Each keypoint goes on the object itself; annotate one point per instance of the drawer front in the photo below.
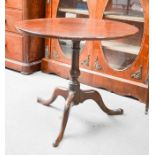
(11, 17)
(13, 46)
(17, 4)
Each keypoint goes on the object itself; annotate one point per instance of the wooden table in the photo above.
(76, 29)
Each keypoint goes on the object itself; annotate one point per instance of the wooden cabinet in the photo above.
(120, 66)
(23, 54)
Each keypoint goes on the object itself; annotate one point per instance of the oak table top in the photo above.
(76, 28)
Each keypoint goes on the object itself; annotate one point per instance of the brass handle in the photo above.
(86, 61)
(97, 64)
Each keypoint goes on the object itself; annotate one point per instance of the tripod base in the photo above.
(74, 98)
(74, 95)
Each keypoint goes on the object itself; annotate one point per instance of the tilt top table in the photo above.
(76, 29)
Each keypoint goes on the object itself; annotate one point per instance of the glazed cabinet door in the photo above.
(121, 54)
(61, 49)
(112, 64)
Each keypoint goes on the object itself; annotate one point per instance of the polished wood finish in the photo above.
(17, 4)
(108, 78)
(82, 29)
(13, 46)
(20, 53)
(12, 16)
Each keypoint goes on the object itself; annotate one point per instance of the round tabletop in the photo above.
(76, 28)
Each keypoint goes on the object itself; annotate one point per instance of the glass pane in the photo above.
(71, 9)
(121, 53)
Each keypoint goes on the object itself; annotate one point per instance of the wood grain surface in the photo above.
(76, 28)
